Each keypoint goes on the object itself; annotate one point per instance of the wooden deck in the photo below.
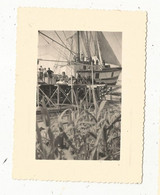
(60, 97)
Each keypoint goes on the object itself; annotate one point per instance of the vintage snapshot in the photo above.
(78, 111)
(79, 97)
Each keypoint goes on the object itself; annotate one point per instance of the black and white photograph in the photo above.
(78, 99)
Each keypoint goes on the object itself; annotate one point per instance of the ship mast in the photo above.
(79, 57)
(78, 44)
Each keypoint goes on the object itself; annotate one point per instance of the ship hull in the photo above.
(108, 76)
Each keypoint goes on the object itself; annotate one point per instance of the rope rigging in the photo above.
(56, 42)
(57, 49)
(61, 39)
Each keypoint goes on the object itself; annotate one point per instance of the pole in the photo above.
(71, 87)
(38, 94)
(58, 95)
(52, 60)
(92, 73)
(78, 43)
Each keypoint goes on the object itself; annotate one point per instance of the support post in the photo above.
(78, 44)
(71, 87)
(58, 95)
(38, 95)
(92, 74)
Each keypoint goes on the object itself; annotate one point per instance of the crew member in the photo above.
(64, 77)
(50, 75)
(44, 74)
(41, 73)
(95, 60)
(79, 79)
(82, 57)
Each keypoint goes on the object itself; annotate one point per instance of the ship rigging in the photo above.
(91, 65)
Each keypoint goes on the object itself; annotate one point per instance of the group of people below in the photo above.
(88, 60)
(47, 76)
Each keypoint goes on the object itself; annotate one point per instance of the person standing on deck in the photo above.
(41, 73)
(64, 77)
(79, 79)
(38, 75)
(95, 62)
(82, 57)
(44, 74)
(50, 74)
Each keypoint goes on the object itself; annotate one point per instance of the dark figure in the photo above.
(50, 74)
(45, 74)
(89, 80)
(41, 73)
(79, 79)
(64, 77)
(97, 62)
(82, 57)
(90, 60)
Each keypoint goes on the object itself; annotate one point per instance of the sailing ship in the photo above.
(94, 57)
(91, 57)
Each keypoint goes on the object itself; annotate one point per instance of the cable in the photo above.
(55, 41)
